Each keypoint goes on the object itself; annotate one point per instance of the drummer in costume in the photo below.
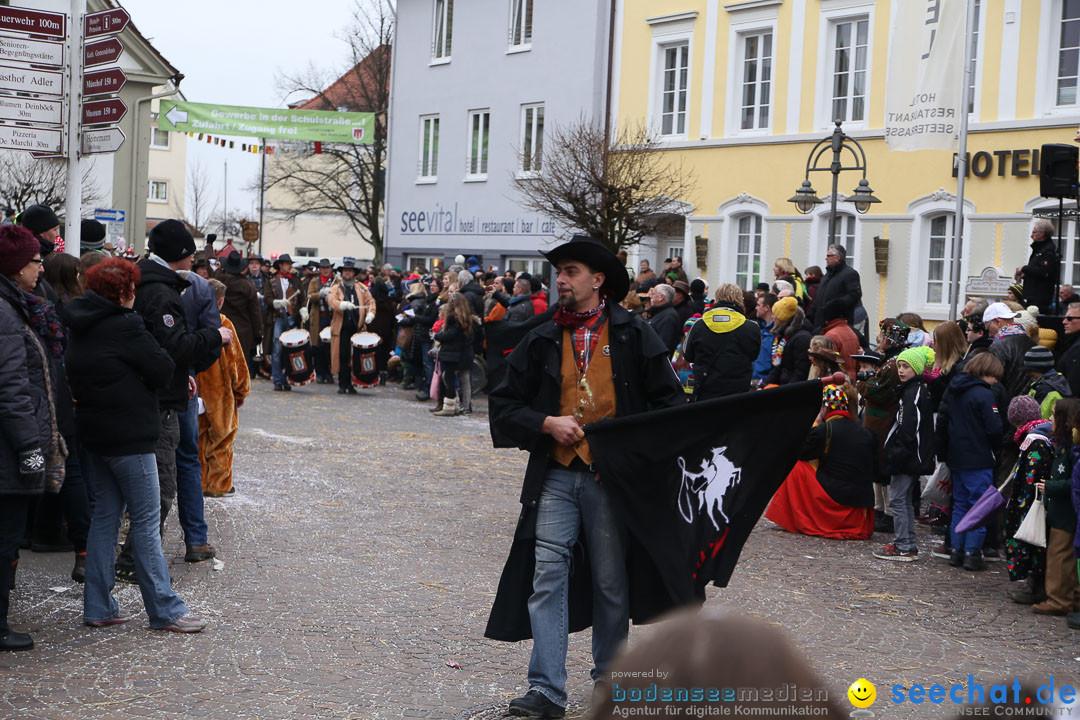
(319, 314)
(353, 308)
(285, 302)
(260, 278)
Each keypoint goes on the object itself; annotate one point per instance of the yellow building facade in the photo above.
(741, 91)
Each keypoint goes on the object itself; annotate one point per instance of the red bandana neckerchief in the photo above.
(584, 330)
(1025, 428)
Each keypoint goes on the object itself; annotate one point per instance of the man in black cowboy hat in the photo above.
(560, 377)
(285, 299)
(257, 273)
(353, 308)
(318, 314)
(241, 303)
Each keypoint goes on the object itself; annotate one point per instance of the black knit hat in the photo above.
(38, 218)
(92, 235)
(1039, 359)
(171, 241)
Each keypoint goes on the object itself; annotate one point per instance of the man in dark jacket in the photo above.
(840, 283)
(520, 307)
(473, 291)
(1043, 270)
(1010, 344)
(722, 347)
(664, 318)
(158, 301)
(682, 300)
(561, 377)
(241, 303)
(1068, 363)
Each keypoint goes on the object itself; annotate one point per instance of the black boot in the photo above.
(974, 561)
(535, 704)
(78, 573)
(956, 558)
(12, 641)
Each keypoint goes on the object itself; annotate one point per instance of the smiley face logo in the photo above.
(862, 693)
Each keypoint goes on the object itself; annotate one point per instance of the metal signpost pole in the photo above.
(262, 189)
(73, 212)
(961, 170)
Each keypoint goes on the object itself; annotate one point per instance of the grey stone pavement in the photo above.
(360, 558)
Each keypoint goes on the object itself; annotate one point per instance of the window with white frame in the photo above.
(159, 139)
(849, 49)
(479, 124)
(429, 147)
(1068, 53)
(537, 267)
(305, 252)
(845, 236)
(521, 15)
(748, 252)
(532, 138)
(939, 258)
(442, 30)
(159, 191)
(674, 85)
(973, 58)
(756, 81)
(425, 262)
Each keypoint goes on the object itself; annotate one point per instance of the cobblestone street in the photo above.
(360, 558)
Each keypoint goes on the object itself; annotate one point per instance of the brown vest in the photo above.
(587, 398)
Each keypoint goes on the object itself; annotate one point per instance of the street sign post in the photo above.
(35, 22)
(31, 110)
(106, 22)
(103, 52)
(113, 220)
(103, 112)
(38, 52)
(106, 140)
(39, 82)
(277, 123)
(102, 82)
(26, 137)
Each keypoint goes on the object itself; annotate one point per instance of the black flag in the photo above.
(693, 481)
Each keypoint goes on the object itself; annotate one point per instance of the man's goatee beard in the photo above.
(568, 302)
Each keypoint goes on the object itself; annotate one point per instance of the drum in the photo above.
(296, 350)
(324, 335)
(364, 372)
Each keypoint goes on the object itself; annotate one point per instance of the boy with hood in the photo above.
(909, 451)
(1047, 384)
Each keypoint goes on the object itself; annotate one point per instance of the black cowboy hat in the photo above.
(348, 264)
(592, 252)
(325, 263)
(283, 258)
(233, 263)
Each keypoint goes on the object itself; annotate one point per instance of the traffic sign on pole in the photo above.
(106, 22)
(101, 82)
(106, 140)
(32, 110)
(103, 52)
(39, 52)
(39, 82)
(103, 112)
(35, 22)
(26, 137)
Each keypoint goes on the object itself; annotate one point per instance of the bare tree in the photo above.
(202, 204)
(345, 179)
(621, 190)
(26, 180)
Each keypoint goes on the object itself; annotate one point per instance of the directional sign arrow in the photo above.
(33, 110)
(20, 137)
(106, 140)
(106, 22)
(38, 82)
(176, 115)
(39, 52)
(103, 52)
(103, 112)
(35, 22)
(100, 82)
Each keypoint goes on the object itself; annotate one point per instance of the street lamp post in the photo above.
(863, 197)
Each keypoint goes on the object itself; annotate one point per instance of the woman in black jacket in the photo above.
(791, 341)
(455, 350)
(115, 367)
(29, 445)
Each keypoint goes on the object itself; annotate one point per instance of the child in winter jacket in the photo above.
(1047, 384)
(909, 451)
(1026, 563)
(1062, 591)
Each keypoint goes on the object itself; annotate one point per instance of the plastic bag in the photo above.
(939, 487)
(1033, 529)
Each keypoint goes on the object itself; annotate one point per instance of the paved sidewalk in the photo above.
(361, 555)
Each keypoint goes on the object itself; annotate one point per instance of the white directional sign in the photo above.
(176, 115)
(113, 220)
(31, 110)
(40, 82)
(101, 141)
(39, 52)
(14, 137)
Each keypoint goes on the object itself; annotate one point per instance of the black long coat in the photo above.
(530, 392)
(841, 282)
(242, 308)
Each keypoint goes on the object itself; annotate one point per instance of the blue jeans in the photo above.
(281, 324)
(572, 501)
(189, 497)
(130, 480)
(967, 487)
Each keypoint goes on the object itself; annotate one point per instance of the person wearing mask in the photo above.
(722, 347)
(318, 315)
(841, 283)
(285, 300)
(31, 451)
(116, 368)
(1043, 269)
(353, 308)
(663, 318)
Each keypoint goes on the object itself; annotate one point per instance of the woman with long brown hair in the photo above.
(455, 351)
(950, 347)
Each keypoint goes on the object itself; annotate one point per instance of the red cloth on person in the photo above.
(802, 506)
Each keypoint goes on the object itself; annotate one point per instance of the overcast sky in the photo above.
(231, 52)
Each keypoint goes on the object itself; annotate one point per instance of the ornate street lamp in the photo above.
(805, 198)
